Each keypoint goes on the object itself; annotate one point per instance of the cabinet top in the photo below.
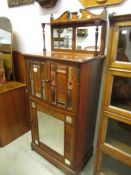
(11, 85)
(65, 56)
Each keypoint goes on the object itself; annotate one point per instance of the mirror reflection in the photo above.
(124, 45)
(85, 38)
(47, 124)
(6, 45)
(62, 38)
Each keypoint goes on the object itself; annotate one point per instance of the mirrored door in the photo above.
(51, 131)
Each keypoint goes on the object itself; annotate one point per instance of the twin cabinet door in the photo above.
(55, 83)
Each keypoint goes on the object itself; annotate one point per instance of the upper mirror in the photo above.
(124, 44)
(85, 38)
(62, 38)
(79, 32)
(6, 46)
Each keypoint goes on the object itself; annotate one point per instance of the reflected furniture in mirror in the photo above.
(63, 87)
(114, 139)
(13, 97)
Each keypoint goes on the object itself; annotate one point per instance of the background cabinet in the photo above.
(63, 105)
(114, 141)
(13, 111)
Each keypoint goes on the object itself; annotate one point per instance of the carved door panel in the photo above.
(64, 86)
(38, 81)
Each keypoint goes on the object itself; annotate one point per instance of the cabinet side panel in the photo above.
(90, 78)
(19, 67)
(13, 115)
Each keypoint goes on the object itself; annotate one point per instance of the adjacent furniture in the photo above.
(13, 96)
(63, 87)
(114, 139)
(13, 111)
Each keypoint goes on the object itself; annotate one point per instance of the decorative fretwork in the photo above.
(75, 17)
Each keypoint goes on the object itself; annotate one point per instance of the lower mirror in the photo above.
(51, 132)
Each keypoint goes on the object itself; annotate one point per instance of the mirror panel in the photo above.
(86, 36)
(124, 44)
(47, 124)
(118, 135)
(62, 38)
(121, 93)
(6, 46)
(111, 166)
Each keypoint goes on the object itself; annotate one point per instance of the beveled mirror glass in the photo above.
(62, 38)
(124, 44)
(6, 45)
(47, 124)
(85, 38)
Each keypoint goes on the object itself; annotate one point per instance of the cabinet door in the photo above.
(38, 75)
(64, 86)
(53, 131)
(55, 83)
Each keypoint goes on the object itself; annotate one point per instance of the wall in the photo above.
(26, 21)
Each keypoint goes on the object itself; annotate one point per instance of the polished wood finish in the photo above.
(119, 112)
(19, 67)
(79, 120)
(99, 3)
(13, 112)
(73, 17)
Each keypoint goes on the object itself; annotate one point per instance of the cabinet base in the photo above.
(66, 169)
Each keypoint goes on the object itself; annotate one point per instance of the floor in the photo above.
(17, 158)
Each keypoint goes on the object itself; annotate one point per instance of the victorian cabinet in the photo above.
(114, 141)
(63, 88)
